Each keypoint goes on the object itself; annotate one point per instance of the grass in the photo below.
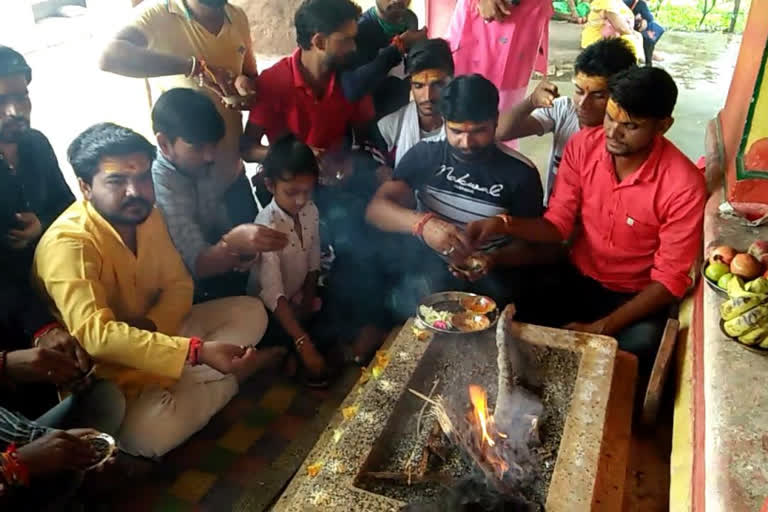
(685, 15)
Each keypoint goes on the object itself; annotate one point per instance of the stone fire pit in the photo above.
(375, 430)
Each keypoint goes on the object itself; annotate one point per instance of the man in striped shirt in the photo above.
(440, 187)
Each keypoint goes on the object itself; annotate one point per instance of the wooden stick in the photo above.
(424, 407)
(425, 398)
(440, 478)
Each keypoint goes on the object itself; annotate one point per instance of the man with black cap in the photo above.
(33, 189)
(32, 194)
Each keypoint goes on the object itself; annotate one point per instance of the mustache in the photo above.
(136, 201)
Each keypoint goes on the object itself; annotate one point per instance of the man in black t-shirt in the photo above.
(439, 187)
(32, 194)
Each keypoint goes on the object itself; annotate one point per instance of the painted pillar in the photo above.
(743, 136)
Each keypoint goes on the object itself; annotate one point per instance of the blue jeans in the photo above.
(100, 407)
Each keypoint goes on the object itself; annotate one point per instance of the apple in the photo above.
(759, 250)
(722, 254)
(723, 281)
(746, 266)
(716, 270)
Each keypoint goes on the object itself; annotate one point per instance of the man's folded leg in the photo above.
(158, 420)
(238, 320)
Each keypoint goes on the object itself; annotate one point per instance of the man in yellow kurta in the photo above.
(120, 287)
(169, 39)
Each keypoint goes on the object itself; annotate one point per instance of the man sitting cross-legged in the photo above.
(430, 66)
(217, 253)
(544, 112)
(439, 187)
(633, 205)
(118, 284)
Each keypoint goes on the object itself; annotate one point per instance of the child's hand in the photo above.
(252, 239)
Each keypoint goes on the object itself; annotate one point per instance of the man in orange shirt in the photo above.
(632, 206)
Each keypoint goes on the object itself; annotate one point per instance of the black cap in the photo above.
(13, 63)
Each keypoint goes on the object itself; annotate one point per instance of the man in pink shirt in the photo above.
(502, 40)
(631, 204)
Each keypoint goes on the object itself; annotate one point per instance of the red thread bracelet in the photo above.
(195, 344)
(398, 43)
(418, 228)
(16, 473)
(43, 331)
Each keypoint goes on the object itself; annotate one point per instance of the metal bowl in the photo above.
(752, 348)
(710, 283)
(106, 442)
(452, 302)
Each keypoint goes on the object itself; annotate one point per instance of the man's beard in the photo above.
(335, 62)
(12, 129)
(214, 4)
(395, 12)
(474, 155)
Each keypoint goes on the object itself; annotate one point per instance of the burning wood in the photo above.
(500, 444)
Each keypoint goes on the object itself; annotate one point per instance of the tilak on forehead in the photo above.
(617, 112)
(133, 165)
(429, 76)
(589, 84)
(461, 127)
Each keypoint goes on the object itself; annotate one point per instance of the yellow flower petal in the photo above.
(314, 469)
(349, 412)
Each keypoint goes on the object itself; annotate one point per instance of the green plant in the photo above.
(690, 18)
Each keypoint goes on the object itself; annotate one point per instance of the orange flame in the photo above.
(479, 401)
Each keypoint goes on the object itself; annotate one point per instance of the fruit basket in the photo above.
(743, 279)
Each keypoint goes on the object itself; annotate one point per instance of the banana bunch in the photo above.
(745, 313)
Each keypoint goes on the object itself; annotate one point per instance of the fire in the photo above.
(484, 425)
(479, 401)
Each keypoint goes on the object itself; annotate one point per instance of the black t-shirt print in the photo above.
(461, 192)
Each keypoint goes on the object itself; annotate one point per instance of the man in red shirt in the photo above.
(302, 94)
(632, 206)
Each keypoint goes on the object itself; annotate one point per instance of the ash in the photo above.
(458, 361)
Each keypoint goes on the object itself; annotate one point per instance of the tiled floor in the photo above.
(247, 453)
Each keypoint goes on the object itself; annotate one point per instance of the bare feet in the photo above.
(255, 360)
(367, 341)
(657, 58)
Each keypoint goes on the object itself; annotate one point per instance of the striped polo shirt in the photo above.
(463, 191)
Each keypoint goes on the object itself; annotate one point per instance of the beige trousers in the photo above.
(158, 420)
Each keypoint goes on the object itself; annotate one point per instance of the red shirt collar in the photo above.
(645, 173)
(298, 76)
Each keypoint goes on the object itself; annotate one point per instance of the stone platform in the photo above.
(327, 479)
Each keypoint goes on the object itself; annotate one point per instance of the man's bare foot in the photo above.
(368, 340)
(255, 360)
(657, 58)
